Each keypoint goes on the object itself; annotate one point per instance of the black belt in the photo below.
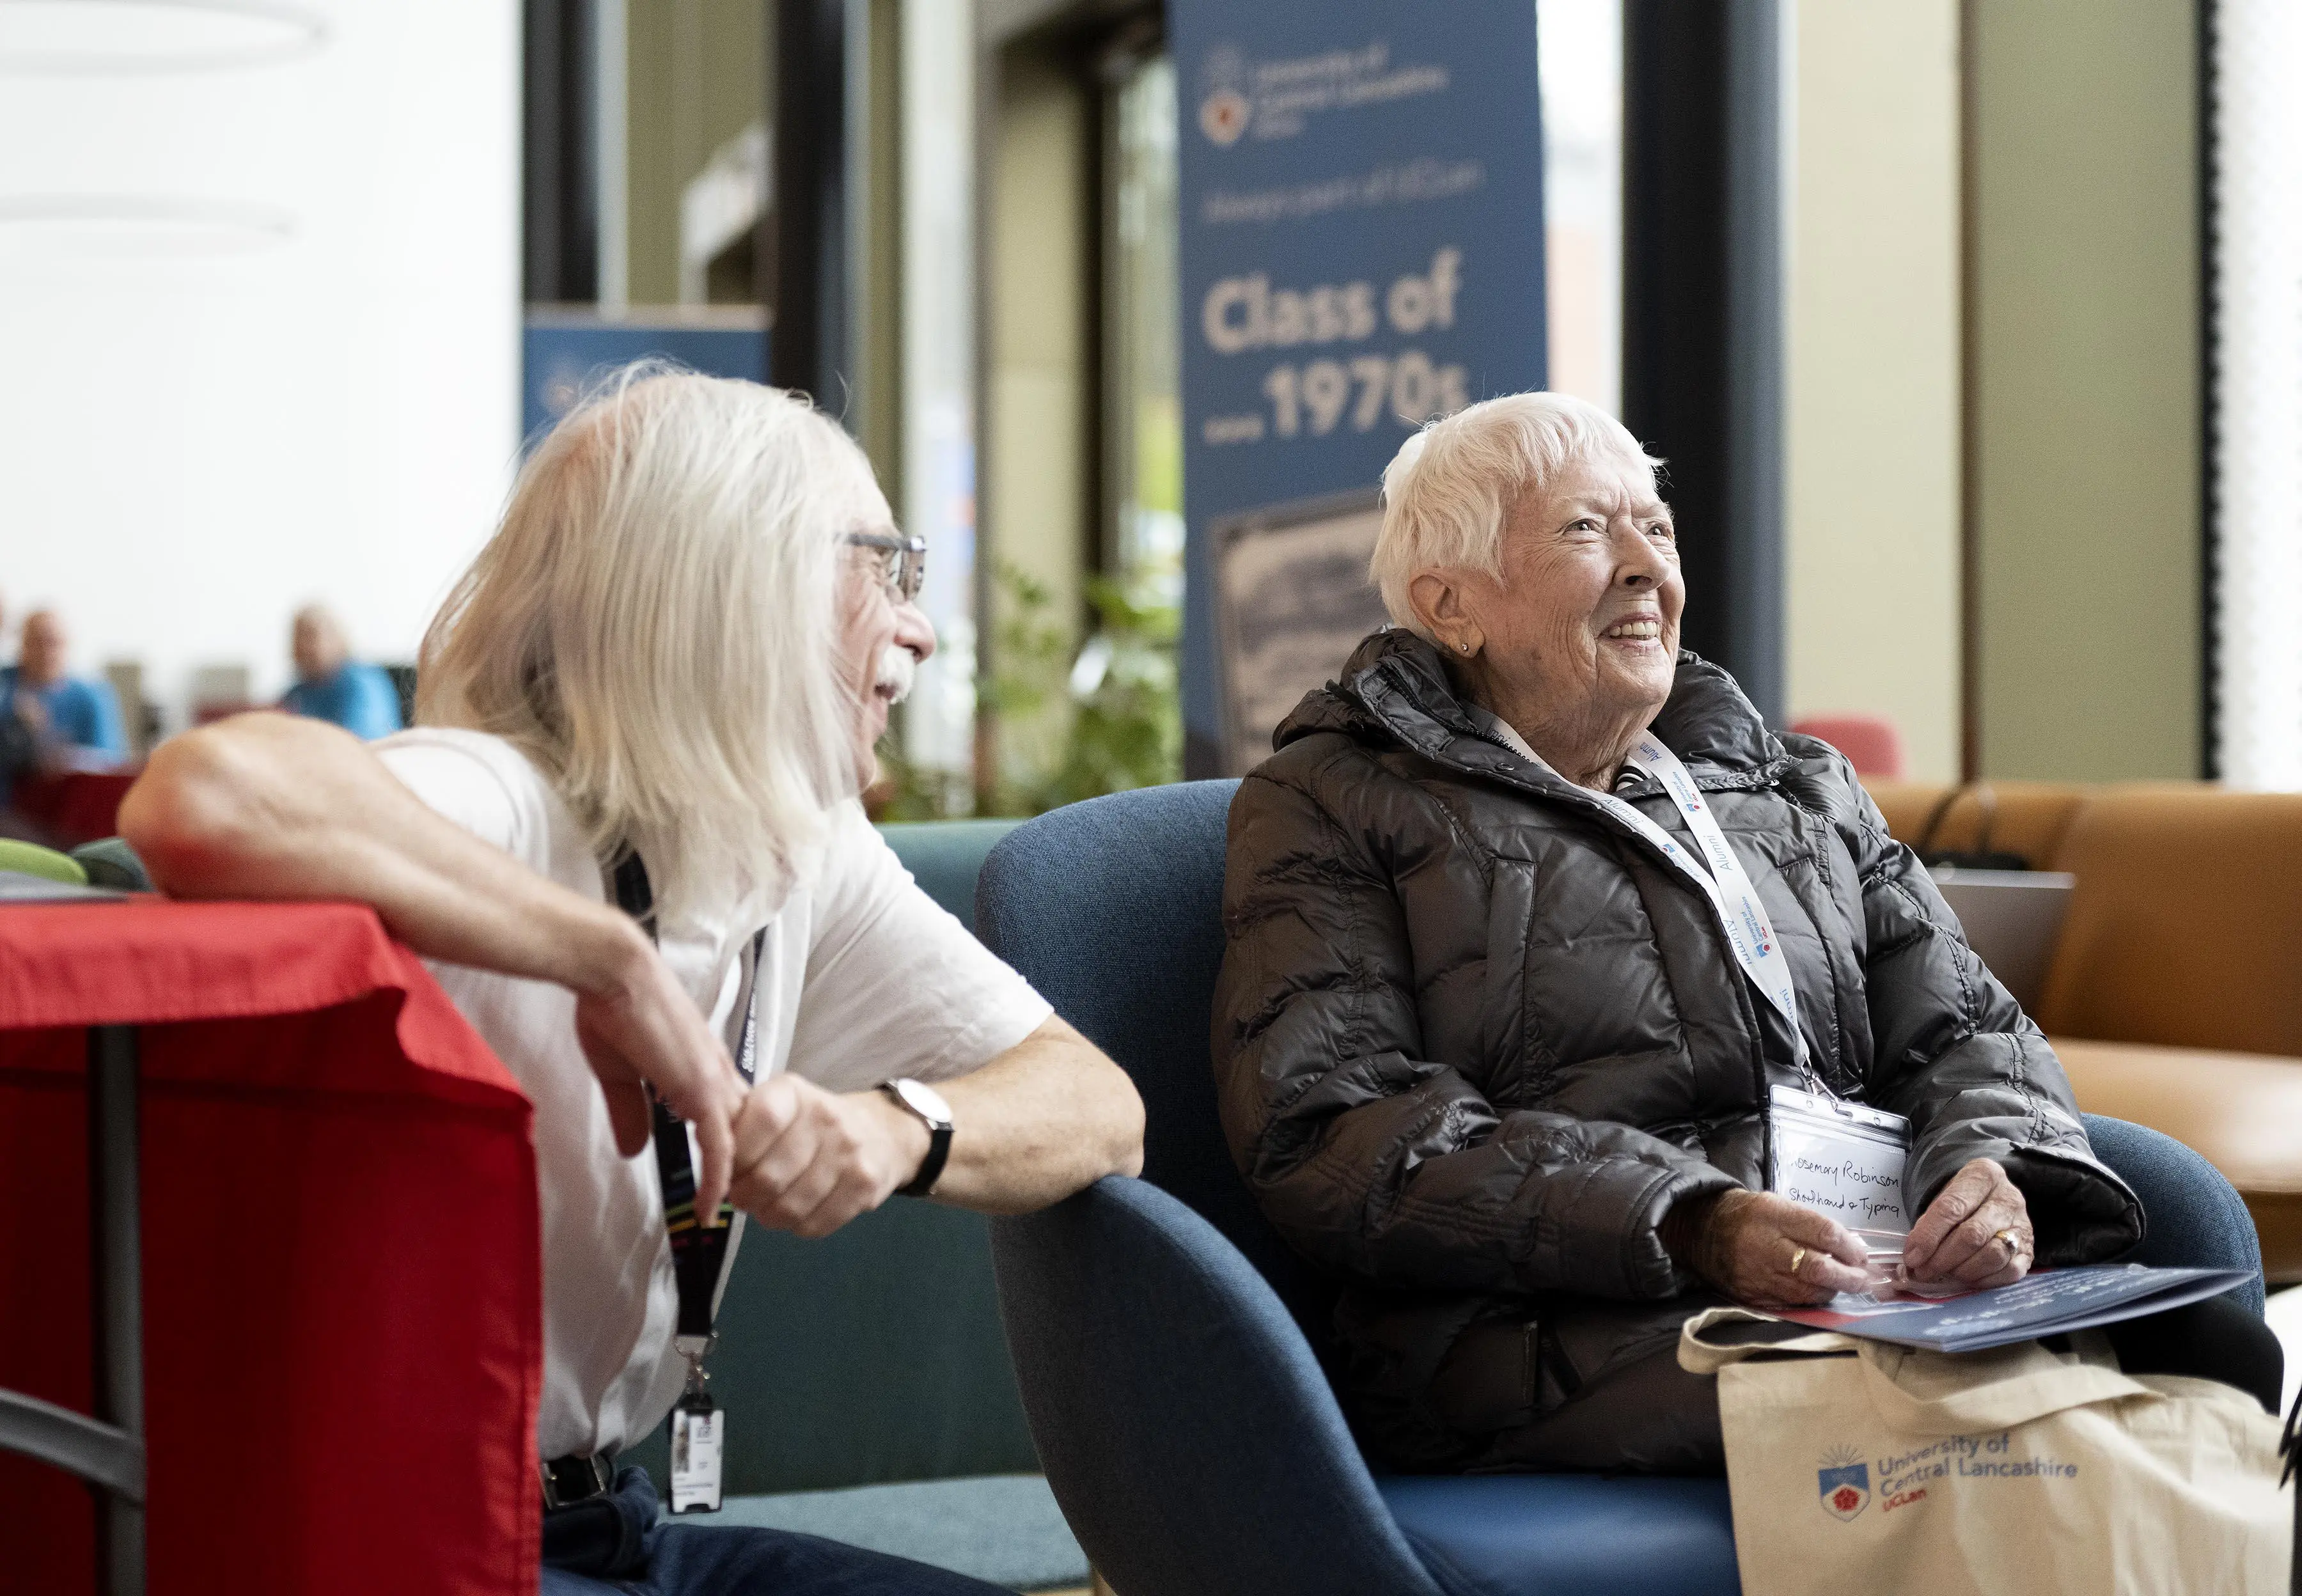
(573, 1479)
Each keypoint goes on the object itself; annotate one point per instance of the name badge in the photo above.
(698, 1430)
(1845, 1160)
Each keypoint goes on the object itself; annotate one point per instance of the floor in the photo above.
(1005, 1529)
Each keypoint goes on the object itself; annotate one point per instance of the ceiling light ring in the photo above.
(174, 222)
(305, 32)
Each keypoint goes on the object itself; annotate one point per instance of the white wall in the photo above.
(2085, 326)
(1873, 419)
(196, 435)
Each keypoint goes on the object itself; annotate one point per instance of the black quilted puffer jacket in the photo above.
(1473, 1038)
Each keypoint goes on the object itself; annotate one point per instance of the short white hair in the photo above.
(1450, 487)
(653, 623)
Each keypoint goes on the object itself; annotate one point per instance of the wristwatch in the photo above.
(935, 1114)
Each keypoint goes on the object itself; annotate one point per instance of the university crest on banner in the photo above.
(1843, 1482)
(1224, 116)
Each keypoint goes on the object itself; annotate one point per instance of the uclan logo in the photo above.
(1224, 116)
(1844, 1483)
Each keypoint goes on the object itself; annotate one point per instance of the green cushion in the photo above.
(30, 859)
(112, 862)
(874, 1354)
(946, 856)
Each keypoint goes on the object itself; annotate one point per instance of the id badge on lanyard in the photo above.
(1842, 1159)
(698, 1437)
(1845, 1160)
(699, 1425)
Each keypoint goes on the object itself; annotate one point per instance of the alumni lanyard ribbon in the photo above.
(1729, 886)
(698, 1252)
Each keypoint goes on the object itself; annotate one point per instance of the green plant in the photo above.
(1071, 723)
(910, 791)
(1080, 725)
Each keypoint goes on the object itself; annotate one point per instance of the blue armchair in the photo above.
(1168, 1343)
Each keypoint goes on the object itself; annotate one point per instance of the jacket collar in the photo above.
(1398, 687)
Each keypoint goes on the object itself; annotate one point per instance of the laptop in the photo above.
(2013, 919)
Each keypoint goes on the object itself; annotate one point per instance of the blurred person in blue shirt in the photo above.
(75, 720)
(332, 686)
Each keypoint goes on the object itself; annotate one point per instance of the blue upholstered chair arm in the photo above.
(1190, 1436)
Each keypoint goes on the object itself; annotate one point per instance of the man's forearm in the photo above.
(272, 807)
(1038, 1122)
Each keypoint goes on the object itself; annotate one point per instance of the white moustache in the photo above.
(898, 671)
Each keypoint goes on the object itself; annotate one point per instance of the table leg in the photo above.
(116, 1274)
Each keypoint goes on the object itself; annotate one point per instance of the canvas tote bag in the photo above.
(1856, 1466)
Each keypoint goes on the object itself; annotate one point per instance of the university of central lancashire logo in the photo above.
(1224, 116)
(1225, 110)
(1843, 1482)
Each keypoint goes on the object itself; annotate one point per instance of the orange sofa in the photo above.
(2175, 994)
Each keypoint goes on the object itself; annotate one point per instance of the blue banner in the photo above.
(1362, 248)
(562, 351)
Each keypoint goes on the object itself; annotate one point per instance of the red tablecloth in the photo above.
(342, 1272)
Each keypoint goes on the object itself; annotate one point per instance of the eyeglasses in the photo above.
(905, 561)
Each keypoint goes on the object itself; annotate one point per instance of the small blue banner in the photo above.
(1362, 248)
(562, 351)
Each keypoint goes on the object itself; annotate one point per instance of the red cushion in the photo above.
(1869, 742)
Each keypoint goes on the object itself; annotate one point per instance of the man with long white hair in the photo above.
(625, 832)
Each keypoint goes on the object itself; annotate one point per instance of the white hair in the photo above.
(653, 623)
(1449, 490)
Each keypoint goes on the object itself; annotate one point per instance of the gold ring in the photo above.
(2012, 1240)
(1798, 1257)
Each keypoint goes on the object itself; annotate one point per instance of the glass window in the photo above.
(1144, 414)
(1579, 47)
(2257, 395)
(938, 387)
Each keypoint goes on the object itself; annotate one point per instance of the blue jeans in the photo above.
(613, 1543)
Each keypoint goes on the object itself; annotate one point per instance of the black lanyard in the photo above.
(698, 1253)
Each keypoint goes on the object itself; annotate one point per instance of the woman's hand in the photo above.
(1758, 1248)
(1976, 1233)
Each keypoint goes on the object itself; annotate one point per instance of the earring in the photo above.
(1464, 646)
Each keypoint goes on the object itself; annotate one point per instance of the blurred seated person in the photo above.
(332, 686)
(20, 755)
(74, 720)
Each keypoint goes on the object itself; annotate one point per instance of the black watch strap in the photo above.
(931, 1167)
(938, 1142)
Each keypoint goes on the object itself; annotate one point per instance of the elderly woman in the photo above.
(1495, 1036)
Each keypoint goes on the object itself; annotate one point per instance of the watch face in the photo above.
(922, 1100)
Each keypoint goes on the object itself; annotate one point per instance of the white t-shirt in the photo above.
(863, 979)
